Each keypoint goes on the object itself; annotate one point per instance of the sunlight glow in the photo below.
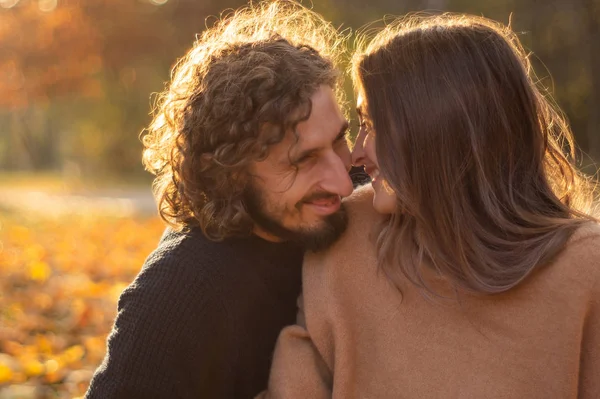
(8, 3)
(47, 5)
(158, 2)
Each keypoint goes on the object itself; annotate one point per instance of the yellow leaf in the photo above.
(5, 373)
(44, 345)
(39, 271)
(73, 354)
(33, 367)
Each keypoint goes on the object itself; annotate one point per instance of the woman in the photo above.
(481, 275)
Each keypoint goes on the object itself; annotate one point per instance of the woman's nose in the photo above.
(358, 152)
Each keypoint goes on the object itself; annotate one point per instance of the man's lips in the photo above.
(325, 206)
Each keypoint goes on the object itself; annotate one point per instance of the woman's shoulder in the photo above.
(363, 220)
(585, 242)
(359, 207)
(580, 258)
(337, 276)
(588, 231)
(357, 241)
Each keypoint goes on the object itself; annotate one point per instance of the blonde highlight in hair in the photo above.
(480, 160)
(246, 82)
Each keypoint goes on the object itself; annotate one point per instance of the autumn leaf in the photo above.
(59, 291)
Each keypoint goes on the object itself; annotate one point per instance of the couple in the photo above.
(468, 268)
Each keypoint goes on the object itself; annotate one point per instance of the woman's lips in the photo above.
(374, 173)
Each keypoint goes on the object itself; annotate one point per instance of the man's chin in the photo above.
(321, 234)
(324, 234)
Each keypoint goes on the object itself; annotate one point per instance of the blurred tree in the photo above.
(82, 72)
(47, 55)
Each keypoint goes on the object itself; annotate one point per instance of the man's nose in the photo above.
(336, 178)
(358, 152)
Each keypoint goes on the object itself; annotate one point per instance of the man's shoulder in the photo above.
(168, 318)
(187, 251)
(183, 244)
(185, 264)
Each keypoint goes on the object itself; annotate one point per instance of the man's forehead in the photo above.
(322, 134)
(319, 130)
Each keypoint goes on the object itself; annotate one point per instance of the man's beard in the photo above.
(314, 239)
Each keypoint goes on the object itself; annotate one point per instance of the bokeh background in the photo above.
(76, 214)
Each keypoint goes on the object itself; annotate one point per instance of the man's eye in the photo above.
(305, 159)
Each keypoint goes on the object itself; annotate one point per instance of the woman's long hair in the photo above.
(479, 159)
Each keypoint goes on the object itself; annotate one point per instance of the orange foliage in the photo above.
(71, 48)
(47, 53)
(58, 295)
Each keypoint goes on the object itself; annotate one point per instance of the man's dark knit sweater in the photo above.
(201, 320)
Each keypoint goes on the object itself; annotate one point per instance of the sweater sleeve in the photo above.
(170, 340)
(590, 349)
(298, 370)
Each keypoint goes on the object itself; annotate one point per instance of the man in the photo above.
(249, 148)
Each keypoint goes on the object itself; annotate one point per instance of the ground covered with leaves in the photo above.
(59, 286)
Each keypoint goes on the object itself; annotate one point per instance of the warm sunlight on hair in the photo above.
(221, 91)
(494, 146)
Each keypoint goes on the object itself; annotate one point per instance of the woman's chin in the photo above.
(384, 203)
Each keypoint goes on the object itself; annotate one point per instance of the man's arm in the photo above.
(170, 340)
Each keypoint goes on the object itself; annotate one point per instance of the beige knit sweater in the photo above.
(359, 337)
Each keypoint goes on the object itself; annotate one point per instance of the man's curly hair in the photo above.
(245, 83)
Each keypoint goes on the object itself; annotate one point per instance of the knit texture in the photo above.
(200, 320)
(359, 336)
